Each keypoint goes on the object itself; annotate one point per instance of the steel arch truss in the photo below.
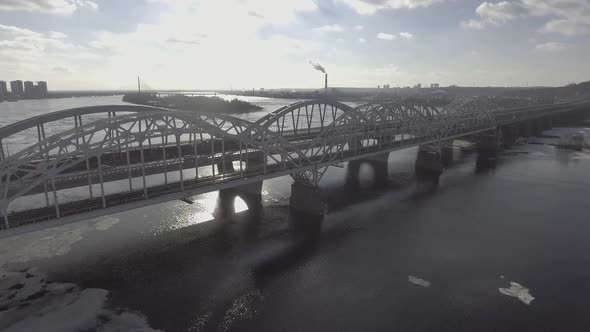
(306, 117)
(301, 139)
(43, 162)
(381, 126)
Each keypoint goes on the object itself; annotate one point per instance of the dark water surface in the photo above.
(404, 257)
(525, 221)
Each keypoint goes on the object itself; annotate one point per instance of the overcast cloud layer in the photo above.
(84, 44)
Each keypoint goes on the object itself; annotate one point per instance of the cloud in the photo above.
(567, 27)
(567, 17)
(472, 24)
(61, 69)
(57, 35)
(551, 47)
(359, 27)
(369, 7)
(330, 28)
(49, 55)
(386, 36)
(255, 14)
(178, 30)
(362, 40)
(500, 12)
(181, 41)
(406, 35)
(57, 7)
(386, 70)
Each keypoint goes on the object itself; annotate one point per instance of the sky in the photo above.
(246, 44)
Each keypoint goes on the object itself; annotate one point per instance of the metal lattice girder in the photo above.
(303, 116)
(47, 159)
(301, 139)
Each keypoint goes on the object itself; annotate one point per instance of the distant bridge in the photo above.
(82, 163)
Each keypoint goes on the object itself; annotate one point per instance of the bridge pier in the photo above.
(250, 193)
(380, 170)
(428, 164)
(509, 136)
(526, 129)
(538, 127)
(446, 152)
(488, 144)
(307, 200)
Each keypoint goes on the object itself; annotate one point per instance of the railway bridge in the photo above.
(82, 163)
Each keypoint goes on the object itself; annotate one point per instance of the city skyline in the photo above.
(81, 45)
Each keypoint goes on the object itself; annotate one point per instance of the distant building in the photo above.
(16, 87)
(386, 86)
(3, 88)
(418, 86)
(29, 89)
(435, 85)
(378, 86)
(42, 88)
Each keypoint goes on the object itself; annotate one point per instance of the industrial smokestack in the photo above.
(326, 84)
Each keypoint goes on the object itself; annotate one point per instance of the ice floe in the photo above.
(51, 242)
(418, 281)
(519, 291)
(29, 303)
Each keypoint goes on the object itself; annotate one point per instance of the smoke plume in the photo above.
(317, 66)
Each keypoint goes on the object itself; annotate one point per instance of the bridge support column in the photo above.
(509, 136)
(446, 152)
(488, 143)
(380, 170)
(307, 200)
(538, 127)
(525, 129)
(250, 193)
(428, 164)
(352, 173)
(379, 164)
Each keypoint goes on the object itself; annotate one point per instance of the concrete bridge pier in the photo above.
(509, 136)
(380, 170)
(428, 166)
(526, 129)
(446, 152)
(250, 193)
(538, 126)
(307, 201)
(546, 123)
(488, 144)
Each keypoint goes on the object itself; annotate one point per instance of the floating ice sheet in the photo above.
(519, 291)
(418, 281)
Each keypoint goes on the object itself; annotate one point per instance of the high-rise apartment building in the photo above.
(29, 88)
(16, 87)
(3, 88)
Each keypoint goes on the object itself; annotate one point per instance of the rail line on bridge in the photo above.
(151, 155)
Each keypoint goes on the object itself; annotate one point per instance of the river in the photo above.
(405, 257)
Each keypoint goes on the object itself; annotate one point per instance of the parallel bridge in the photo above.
(81, 163)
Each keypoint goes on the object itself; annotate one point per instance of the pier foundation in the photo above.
(488, 144)
(509, 136)
(250, 193)
(428, 164)
(380, 170)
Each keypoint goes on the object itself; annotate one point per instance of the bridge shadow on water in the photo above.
(207, 272)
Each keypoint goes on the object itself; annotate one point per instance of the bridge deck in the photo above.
(374, 129)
